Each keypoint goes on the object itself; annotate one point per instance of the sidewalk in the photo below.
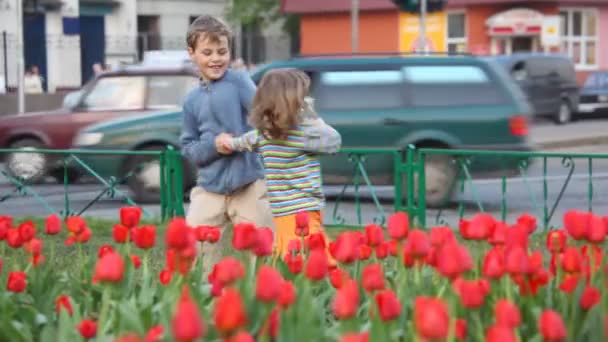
(548, 136)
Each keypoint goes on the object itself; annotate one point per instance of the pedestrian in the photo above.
(230, 189)
(289, 136)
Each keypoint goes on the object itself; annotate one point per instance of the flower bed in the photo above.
(394, 284)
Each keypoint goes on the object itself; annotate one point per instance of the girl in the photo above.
(288, 135)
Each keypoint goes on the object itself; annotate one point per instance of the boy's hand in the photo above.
(222, 143)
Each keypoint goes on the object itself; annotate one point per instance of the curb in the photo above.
(574, 142)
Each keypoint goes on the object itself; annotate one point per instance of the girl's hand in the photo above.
(222, 143)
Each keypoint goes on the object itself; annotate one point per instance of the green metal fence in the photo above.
(170, 190)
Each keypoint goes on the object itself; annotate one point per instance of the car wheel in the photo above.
(73, 175)
(440, 178)
(145, 181)
(29, 167)
(564, 115)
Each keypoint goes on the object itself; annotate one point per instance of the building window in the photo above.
(579, 36)
(457, 34)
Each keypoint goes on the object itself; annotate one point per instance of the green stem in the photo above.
(480, 329)
(105, 305)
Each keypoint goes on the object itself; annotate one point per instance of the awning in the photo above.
(97, 7)
(516, 21)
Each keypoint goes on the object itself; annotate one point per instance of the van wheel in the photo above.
(145, 182)
(440, 178)
(564, 115)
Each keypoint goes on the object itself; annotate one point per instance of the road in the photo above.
(522, 195)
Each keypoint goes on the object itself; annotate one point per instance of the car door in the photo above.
(545, 84)
(363, 104)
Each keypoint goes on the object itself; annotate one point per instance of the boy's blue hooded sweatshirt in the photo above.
(220, 106)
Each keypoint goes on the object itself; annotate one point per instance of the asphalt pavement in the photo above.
(523, 194)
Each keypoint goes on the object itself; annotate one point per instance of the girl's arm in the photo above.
(320, 137)
(246, 142)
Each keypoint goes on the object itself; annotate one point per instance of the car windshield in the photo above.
(116, 93)
(598, 80)
(169, 91)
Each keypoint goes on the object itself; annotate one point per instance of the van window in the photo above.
(453, 85)
(354, 90)
(169, 91)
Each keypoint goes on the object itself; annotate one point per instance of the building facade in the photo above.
(578, 29)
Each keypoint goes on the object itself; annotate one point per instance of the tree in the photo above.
(254, 12)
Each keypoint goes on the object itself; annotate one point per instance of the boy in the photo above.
(230, 188)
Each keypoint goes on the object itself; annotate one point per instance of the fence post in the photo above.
(176, 189)
(409, 183)
(420, 166)
(164, 185)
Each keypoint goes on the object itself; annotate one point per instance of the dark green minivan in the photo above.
(460, 102)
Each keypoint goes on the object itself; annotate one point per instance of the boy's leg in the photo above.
(251, 205)
(208, 209)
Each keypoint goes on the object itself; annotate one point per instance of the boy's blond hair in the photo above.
(213, 28)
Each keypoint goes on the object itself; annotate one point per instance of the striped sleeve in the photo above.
(246, 142)
(320, 137)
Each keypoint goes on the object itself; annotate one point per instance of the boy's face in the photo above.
(211, 56)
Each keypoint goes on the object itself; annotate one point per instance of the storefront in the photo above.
(578, 29)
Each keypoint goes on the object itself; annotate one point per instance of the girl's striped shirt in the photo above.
(292, 169)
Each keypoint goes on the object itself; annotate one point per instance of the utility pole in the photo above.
(20, 59)
(422, 29)
(354, 25)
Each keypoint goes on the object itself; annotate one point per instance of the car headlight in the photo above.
(88, 139)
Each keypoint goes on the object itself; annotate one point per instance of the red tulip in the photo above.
(244, 236)
(264, 240)
(63, 301)
(130, 216)
(471, 292)
(144, 237)
(551, 326)
(34, 246)
(439, 236)
(345, 248)
(398, 225)
(596, 230)
(52, 225)
(453, 260)
(507, 314)
(294, 263)
(576, 223)
(556, 241)
(187, 323)
(572, 260)
(480, 227)
(500, 333)
(388, 304)
(372, 278)
(227, 271)
(287, 294)
(431, 318)
(493, 266)
(104, 249)
(27, 231)
(302, 223)
(13, 238)
(16, 282)
(317, 265)
(179, 234)
(590, 297)
(165, 277)
(75, 224)
(374, 235)
(268, 284)
(365, 252)
(355, 337)
(241, 336)
(109, 268)
(213, 234)
(337, 277)
(346, 301)
(461, 329)
(316, 241)
(135, 260)
(120, 233)
(498, 236)
(382, 250)
(6, 223)
(155, 334)
(130, 337)
(528, 222)
(229, 312)
(87, 328)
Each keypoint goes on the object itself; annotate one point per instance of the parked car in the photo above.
(594, 93)
(548, 80)
(132, 90)
(378, 102)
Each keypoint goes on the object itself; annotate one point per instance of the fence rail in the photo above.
(542, 184)
(170, 180)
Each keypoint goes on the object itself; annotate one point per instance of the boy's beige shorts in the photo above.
(249, 204)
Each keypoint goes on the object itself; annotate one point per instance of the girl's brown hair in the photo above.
(278, 102)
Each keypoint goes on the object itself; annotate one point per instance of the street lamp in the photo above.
(20, 59)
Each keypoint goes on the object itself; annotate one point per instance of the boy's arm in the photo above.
(320, 137)
(246, 142)
(198, 147)
(247, 91)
